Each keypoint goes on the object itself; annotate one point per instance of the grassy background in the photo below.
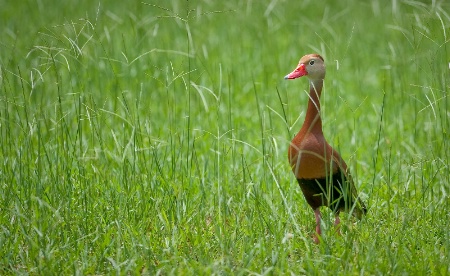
(152, 137)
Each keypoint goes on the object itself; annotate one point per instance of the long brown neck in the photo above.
(313, 122)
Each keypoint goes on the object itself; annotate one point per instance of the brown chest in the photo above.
(311, 156)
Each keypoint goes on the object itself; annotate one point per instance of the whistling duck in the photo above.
(320, 171)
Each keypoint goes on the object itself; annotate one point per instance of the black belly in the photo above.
(334, 192)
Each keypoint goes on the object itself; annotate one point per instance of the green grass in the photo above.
(152, 137)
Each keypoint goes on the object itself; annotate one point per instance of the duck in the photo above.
(322, 174)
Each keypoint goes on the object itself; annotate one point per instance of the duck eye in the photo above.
(311, 62)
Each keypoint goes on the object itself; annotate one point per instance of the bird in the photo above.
(322, 174)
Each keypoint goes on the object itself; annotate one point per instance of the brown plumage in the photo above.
(320, 171)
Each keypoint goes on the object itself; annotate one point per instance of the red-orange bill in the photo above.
(300, 71)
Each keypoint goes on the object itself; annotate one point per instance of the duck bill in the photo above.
(300, 71)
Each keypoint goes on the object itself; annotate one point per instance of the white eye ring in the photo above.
(311, 62)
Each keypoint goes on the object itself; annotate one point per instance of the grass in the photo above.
(151, 138)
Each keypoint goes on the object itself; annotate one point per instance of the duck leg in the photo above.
(318, 216)
(337, 224)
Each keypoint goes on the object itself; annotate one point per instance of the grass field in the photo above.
(151, 137)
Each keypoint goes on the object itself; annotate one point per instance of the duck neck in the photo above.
(312, 119)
